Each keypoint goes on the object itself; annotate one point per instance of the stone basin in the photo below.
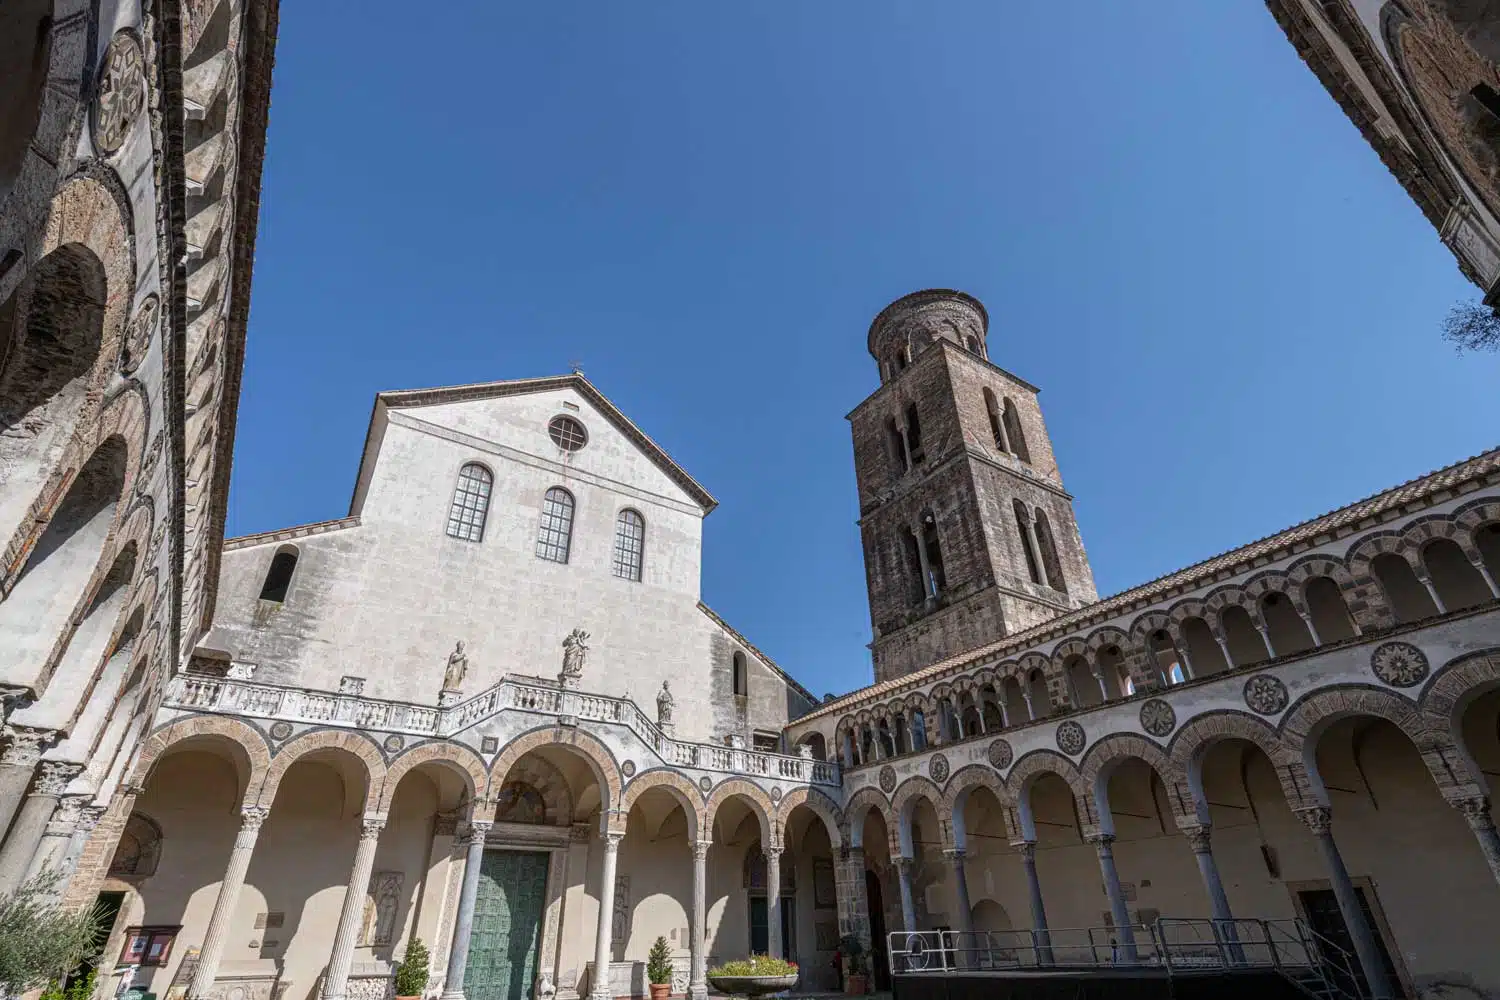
(753, 986)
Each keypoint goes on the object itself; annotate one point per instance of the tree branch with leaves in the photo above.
(40, 940)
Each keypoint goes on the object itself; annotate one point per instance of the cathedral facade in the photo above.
(487, 709)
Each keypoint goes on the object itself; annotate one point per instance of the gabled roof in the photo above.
(1408, 496)
(740, 638)
(400, 398)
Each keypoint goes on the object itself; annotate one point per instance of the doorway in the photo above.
(507, 925)
(1320, 908)
(880, 962)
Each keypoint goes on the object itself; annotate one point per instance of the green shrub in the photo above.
(756, 965)
(659, 963)
(39, 940)
(411, 974)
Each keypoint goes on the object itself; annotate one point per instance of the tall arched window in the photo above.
(1051, 565)
(914, 435)
(997, 424)
(556, 534)
(471, 503)
(741, 678)
(279, 576)
(630, 544)
(1013, 432)
(1023, 525)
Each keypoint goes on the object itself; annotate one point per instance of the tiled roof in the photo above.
(287, 534)
(1416, 491)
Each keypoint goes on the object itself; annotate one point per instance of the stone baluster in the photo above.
(773, 901)
(463, 926)
(601, 987)
(698, 964)
(1042, 937)
(1265, 637)
(23, 750)
(1104, 845)
(212, 950)
(1476, 809)
(1319, 820)
(52, 776)
(336, 980)
(908, 903)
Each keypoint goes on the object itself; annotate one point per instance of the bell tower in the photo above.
(968, 533)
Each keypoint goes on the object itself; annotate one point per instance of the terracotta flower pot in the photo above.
(399, 997)
(660, 991)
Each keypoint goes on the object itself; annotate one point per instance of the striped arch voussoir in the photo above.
(684, 791)
(356, 745)
(1457, 683)
(452, 756)
(760, 804)
(233, 731)
(822, 805)
(595, 753)
(859, 806)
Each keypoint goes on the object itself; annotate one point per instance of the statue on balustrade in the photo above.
(575, 648)
(664, 702)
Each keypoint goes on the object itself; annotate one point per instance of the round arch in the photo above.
(904, 802)
(248, 741)
(858, 807)
(452, 756)
(589, 748)
(684, 791)
(956, 796)
(356, 745)
(750, 793)
(820, 804)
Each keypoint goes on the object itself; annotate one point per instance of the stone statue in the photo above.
(575, 648)
(458, 668)
(664, 701)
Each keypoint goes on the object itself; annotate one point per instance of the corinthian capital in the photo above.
(25, 745)
(52, 776)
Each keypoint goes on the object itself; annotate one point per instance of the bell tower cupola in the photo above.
(968, 533)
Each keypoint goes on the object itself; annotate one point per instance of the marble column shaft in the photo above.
(31, 821)
(463, 921)
(1476, 810)
(18, 761)
(1320, 822)
(908, 904)
(336, 981)
(773, 902)
(1042, 936)
(212, 949)
(698, 963)
(964, 924)
(601, 989)
(1104, 845)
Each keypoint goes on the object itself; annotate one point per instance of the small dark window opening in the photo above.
(741, 669)
(1013, 431)
(898, 447)
(1488, 98)
(279, 576)
(937, 580)
(914, 434)
(997, 429)
(917, 591)
(1031, 563)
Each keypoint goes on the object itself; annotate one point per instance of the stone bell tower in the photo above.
(968, 533)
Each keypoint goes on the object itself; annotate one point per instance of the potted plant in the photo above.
(754, 976)
(411, 974)
(857, 977)
(659, 969)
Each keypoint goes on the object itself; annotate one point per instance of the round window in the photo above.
(567, 433)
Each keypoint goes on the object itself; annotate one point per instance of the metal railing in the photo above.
(273, 701)
(1181, 946)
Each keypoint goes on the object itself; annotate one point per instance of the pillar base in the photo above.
(606, 994)
(699, 992)
(452, 995)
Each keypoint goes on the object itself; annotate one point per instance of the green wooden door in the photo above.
(507, 926)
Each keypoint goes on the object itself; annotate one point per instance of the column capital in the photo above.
(854, 854)
(371, 825)
(1476, 809)
(52, 776)
(772, 853)
(1100, 839)
(25, 746)
(612, 840)
(1027, 850)
(955, 855)
(1318, 819)
(251, 818)
(1200, 836)
(903, 866)
(65, 817)
(478, 830)
(700, 850)
(89, 817)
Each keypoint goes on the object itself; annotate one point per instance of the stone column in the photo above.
(336, 980)
(23, 750)
(212, 951)
(1036, 550)
(964, 924)
(463, 923)
(1476, 810)
(1103, 688)
(1042, 936)
(1200, 838)
(1104, 844)
(1320, 821)
(26, 834)
(1312, 629)
(908, 904)
(924, 563)
(1026, 697)
(698, 966)
(601, 989)
(51, 853)
(773, 901)
(853, 903)
(1489, 578)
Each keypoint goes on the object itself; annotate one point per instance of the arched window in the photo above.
(917, 588)
(556, 535)
(1487, 541)
(1287, 630)
(1050, 563)
(279, 576)
(1408, 599)
(1023, 528)
(1114, 673)
(897, 446)
(972, 344)
(914, 435)
(471, 503)
(919, 729)
(1242, 637)
(1081, 682)
(1458, 584)
(997, 424)
(1014, 433)
(630, 544)
(1202, 648)
(1163, 651)
(741, 674)
(936, 581)
(1327, 609)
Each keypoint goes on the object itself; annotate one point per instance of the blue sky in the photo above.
(1230, 305)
